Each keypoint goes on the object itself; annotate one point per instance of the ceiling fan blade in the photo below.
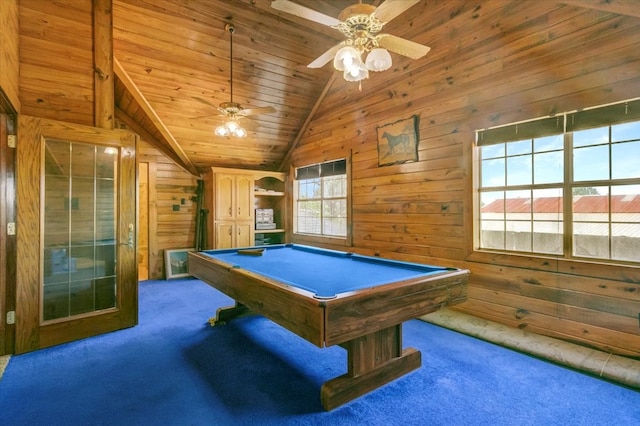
(258, 111)
(249, 124)
(204, 101)
(327, 56)
(392, 8)
(403, 47)
(304, 12)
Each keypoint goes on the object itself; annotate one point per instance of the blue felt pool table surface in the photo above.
(326, 273)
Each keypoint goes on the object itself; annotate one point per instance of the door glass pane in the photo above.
(79, 253)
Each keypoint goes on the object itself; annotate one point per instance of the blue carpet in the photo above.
(174, 369)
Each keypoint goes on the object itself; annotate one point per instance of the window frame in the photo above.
(305, 237)
(609, 115)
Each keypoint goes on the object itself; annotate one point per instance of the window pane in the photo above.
(595, 136)
(308, 215)
(547, 221)
(334, 213)
(625, 132)
(518, 204)
(83, 160)
(309, 188)
(492, 151)
(492, 220)
(591, 222)
(625, 222)
(518, 235)
(492, 234)
(549, 143)
(591, 163)
(493, 173)
(548, 167)
(519, 147)
(335, 186)
(519, 170)
(547, 237)
(625, 160)
(492, 205)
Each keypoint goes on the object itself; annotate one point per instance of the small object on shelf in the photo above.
(251, 252)
(262, 226)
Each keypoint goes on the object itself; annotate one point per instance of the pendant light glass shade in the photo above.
(231, 128)
(378, 60)
(356, 73)
(346, 57)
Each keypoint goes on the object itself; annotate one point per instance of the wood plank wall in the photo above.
(531, 61)
(167, 186)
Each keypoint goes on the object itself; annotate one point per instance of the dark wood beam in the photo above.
(178, 153)
(621, 7)
(103, 88)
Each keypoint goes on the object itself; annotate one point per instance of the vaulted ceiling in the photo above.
(173, 69)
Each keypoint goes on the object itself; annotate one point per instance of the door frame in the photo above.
(31, 334)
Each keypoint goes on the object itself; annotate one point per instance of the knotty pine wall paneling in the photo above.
(527, 61)
(168, 185)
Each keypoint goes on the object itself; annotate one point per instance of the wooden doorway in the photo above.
(76, 260)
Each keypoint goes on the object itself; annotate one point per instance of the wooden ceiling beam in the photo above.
(307, 121)
(134, 126)
(179, 157)
(621, 7)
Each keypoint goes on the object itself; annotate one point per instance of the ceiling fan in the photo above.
(361, 25)
(233, 111)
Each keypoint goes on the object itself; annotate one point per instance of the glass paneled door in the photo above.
(79, 227)
(76, 254)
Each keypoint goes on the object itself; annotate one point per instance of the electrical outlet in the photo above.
(11, 317)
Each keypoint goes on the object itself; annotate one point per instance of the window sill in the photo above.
(320, 239)
(588, 268)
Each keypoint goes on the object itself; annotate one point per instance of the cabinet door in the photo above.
(244, 235)
(225, 189)
(224, 235)
(244, 197)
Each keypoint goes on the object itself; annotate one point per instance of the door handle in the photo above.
(129, 242)
(130, 239)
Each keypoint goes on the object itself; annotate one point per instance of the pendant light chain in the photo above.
(231, 29)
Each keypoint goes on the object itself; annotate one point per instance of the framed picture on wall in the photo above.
(398, 141)
(176, 263)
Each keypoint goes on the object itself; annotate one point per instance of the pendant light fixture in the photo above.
(231, 127)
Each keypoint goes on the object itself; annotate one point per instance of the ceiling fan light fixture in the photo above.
(378, 60)
(346, 57)
(231, 128)
(356, 73)
(222, 131)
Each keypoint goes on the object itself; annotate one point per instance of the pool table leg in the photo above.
(228, 313)
(373, 360)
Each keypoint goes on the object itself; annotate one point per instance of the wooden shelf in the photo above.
(268, 194)
(268, 231)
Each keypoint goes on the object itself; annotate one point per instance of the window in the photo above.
(567, 185)
(321, 199)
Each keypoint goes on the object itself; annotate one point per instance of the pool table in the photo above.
(330, 298)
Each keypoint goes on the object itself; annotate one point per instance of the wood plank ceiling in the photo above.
(175, 54)
(172, 61)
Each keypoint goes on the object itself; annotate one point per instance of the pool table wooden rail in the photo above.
(328, 322)
(367, 322)
(291, 307)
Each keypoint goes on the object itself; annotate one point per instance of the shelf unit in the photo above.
(230, 223)
(269, 193)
